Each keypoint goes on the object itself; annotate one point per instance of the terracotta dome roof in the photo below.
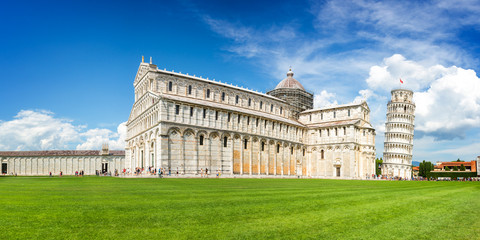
(290, 82)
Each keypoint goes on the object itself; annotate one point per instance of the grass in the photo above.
(116, 208)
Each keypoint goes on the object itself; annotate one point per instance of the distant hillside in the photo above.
(415, 163)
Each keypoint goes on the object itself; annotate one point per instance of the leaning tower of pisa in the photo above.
(397, 153)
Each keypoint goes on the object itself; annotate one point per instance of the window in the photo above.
(249, 102)
(271, 108)
(328, 132)
(225, 141)
(349, 112)
(201, 140)
(236, 99)
(191, 111)
(238, 119)
(280, 127)
(265, 124)
(320, 132)
(256, 122)
(245, 144)
(334, 114)
(287, 129)
(263, 146)
(291, 150)
(304, 152)
(208, 93)
(204, 113)
(281, 110)
(321, 116)
(278, 148)
(336, 132)
(229, 116)
(223, 96)
(363, 132)
(248, 120)
(310, 118)
(216, 115)
(273, 126)
(170, 86)
(345, 131)
(261, 105)
(322, 154)
(189, 89)
(177, 109)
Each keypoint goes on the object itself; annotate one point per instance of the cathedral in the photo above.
(185, 123)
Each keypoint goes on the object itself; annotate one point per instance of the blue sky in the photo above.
(68, 67)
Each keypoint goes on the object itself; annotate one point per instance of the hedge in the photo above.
(452, 175)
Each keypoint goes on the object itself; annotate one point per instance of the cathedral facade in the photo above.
(185, 123)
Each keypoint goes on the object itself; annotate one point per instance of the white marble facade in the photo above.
(185, 123)
(398, 146)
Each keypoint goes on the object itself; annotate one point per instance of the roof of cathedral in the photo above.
(336, 107)
(233, 108)
(59, 153)
(213, 81)
(290, 82)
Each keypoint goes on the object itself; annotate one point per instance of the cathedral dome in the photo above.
(290, 82)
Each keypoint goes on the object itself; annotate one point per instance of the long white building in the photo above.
(66, 161)
(186, 123)
(398, 146)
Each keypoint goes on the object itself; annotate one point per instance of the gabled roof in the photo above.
(362, 103)
(149, 93)
(333, 123)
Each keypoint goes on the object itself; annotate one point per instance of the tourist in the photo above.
(50, 174)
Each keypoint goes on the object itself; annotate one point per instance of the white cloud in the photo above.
(447, 98)
(41, 130)
(414, 76)
(364, 95)
(37, 130)
(96, 137)
(324, 99)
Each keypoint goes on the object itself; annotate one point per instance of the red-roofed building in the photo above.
(469, 166)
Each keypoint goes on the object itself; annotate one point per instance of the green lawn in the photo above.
(116, 208)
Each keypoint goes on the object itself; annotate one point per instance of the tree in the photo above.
(462, 168)
(424, 168)
(455, 168)
(378, 162)
(447, 168)
(458, 160)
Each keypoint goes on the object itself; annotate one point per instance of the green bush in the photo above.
(452, 175)
(462, 168)
(447, 168)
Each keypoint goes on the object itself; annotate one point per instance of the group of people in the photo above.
(161, 172)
